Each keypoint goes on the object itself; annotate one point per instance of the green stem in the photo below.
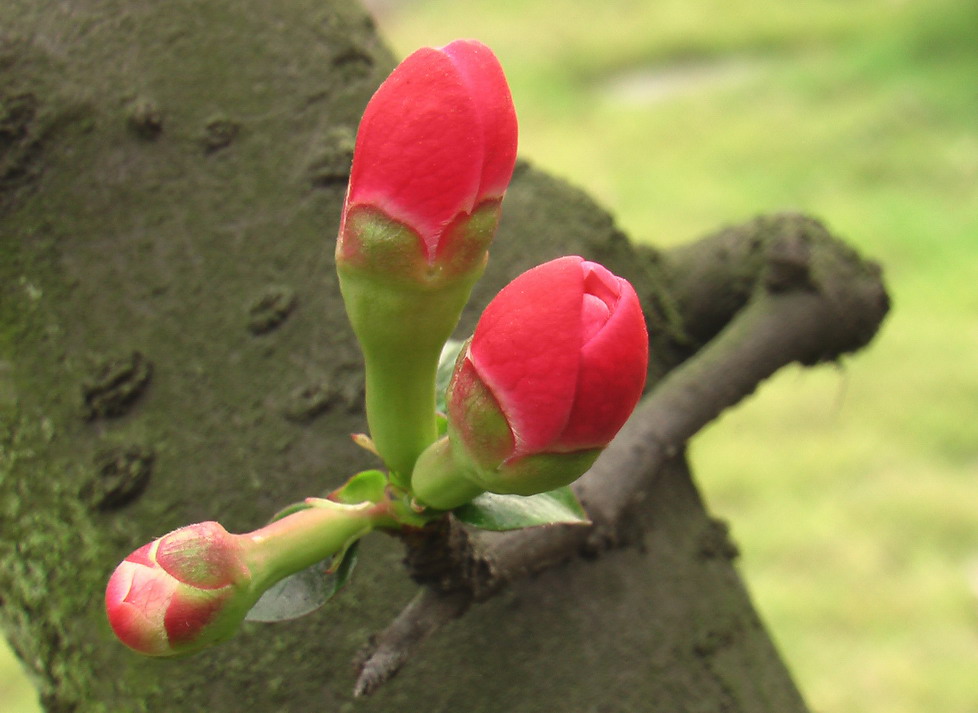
(401, 407)
(401, 329)
(306, 537)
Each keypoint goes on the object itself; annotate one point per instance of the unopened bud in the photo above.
(555, 367)
(180, 593)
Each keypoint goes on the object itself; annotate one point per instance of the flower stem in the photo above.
(401, 329)
(401, 407)
(302, 539)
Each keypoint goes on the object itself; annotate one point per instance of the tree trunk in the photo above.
(173, 349)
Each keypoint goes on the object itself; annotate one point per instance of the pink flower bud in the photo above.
(181, 592)
(434, 155)
(555, 367)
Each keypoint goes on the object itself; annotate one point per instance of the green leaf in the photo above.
(305, 591)
(289, 510)
(446, 365)
(491, 511)
(367, 486)
(441, 422)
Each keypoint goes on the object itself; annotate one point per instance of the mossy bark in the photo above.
(173, 348)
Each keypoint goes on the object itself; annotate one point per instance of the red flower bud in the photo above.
(563, 349)
(555, 367)
(434, 155)
(181, 592)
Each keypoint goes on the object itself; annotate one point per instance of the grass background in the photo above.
(852, 490)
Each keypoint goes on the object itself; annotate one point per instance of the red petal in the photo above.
(419, 150)
(143, 555)
(612, 376)
(131, 628)
(526, 350)
(594, 315)
(135, 599)
(483, 75)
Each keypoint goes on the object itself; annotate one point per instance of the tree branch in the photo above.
(390, 649)
(775, 291)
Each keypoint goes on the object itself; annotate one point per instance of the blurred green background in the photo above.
(852, 490)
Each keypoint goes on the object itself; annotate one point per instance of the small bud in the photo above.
(555, 367)
(192, 588)
(180, 593)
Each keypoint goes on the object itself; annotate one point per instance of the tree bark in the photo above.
(173, 349)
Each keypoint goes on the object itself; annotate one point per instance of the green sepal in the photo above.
(366, 486)
(307, 590)
(492, 511)
(406, 513)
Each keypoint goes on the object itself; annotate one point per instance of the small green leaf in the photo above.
(446, 365)
(290, 509)
(441, 423)
(367, 486)
(305, 591)
(491, 511)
